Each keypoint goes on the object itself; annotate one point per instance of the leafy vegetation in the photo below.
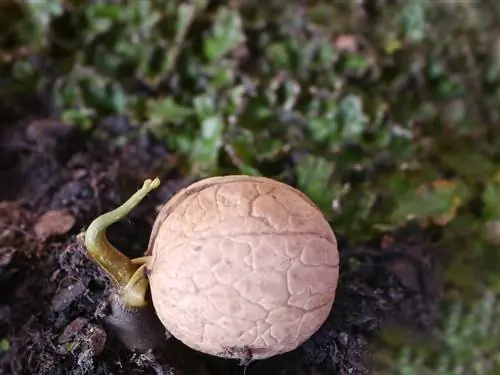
(385, 111)
(467, 344)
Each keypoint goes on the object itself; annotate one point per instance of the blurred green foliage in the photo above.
(468, 344)
(389, 110)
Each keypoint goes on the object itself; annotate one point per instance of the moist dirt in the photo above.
(54, 179)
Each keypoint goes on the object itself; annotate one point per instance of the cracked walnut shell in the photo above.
(242, 267)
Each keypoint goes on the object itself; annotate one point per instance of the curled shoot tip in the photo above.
(149, 185)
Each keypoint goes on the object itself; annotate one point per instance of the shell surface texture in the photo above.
(242, 266)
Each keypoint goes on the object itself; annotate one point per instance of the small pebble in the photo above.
(65, 296)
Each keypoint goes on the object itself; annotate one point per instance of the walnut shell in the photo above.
(242, 267)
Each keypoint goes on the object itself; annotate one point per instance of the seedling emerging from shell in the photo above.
(237, 266)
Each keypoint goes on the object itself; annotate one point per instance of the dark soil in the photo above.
(53, 299)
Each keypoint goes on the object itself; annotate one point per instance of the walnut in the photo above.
(242, 264)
